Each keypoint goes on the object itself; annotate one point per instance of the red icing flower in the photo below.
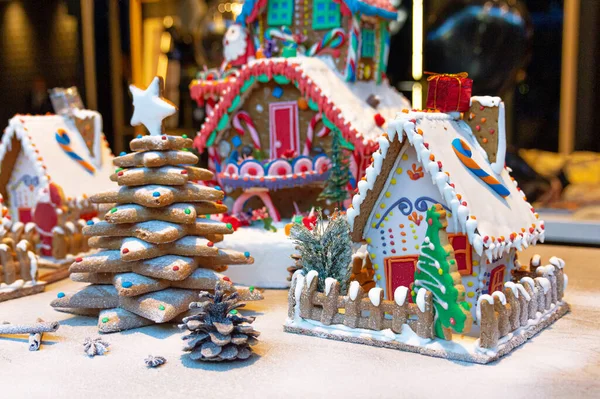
(379, 120)
(416, 173)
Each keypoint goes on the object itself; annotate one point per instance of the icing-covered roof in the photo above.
(342, 103)
(493, 224)
(380, 8)
(36, 134)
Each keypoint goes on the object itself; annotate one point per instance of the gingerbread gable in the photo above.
(490, 209)
(33, 151)
(344, 104)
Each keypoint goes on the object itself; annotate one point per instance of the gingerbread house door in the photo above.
(399, 271)
(285, 136)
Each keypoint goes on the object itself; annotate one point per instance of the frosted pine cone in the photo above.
(219, 332)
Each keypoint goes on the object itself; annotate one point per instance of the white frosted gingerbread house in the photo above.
(432, 157)
(51, 162)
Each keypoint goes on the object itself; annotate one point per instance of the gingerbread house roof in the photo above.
(493, 223)
(380, 8)
(35, 136)
(344, 104)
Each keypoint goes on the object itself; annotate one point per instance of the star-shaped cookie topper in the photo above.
(150, 108)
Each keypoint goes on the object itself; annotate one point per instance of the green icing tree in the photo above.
(336, 189)
(437, 272)
(326, 248)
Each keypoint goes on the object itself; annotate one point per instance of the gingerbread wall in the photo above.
(256, 105)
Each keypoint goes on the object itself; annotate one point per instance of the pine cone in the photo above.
(218, 331)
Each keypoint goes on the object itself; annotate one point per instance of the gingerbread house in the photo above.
(443, 222)
(296, 76)
(48, 164)
(430, 158)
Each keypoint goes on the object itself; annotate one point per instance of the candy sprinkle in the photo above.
(234, 311)
(113, 210)
(90, 222)
(60, 295)
(187, 211)
(127, 284)
(139, 136)
(161, 307)
(185, 136)
(156, 194)
(247, 254)
(105, 320)
(229, 226)
(251, 288)
(122, 153)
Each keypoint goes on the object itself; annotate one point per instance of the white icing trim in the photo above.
(353, 290)
(536, 260)
(529, 281)
(557, 262)
(484, 297)
(375, 295)
(421, 299)
(486, 101)
(545, 271)
(400, 295)
(545, 283)
(500, 295)
(310, 276)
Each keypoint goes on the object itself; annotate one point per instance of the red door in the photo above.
(283, 119)
(399, 271)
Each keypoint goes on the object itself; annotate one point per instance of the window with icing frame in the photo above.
(497, 279)
(280, 13)
(326, 14)
(462, 253)
(367, 49)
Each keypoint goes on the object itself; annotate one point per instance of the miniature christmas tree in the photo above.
(336, 189)
(219, 332)
(157, 244)
(326, 249)
(437, 272)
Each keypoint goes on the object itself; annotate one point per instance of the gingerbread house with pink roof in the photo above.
(295, 77)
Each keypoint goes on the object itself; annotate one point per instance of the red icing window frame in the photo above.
(497, 279)
(284, 126)
(388, 269)
(462, 253)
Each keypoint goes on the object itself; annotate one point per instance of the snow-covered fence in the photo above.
(330, 307)
(504, 312)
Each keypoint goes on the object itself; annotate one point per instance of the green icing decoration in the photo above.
(249, 82)
(234, 104)
(187, 211)
(289, 52)
(211, 139)
(118, 170)
(185, 136)
(264, 78)
(251, 288)
(280, 79)
(105, 320)
(113, 210)
(161, 307)
(234, 311)
(437, 254)
(223, 122)
(312, 105)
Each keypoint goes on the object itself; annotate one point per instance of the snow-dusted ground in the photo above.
(562, 361)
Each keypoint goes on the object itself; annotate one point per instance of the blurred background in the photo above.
(540, 56)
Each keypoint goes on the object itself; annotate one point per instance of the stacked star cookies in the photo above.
(157, 243)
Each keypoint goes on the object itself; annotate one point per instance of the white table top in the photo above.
(562, 361)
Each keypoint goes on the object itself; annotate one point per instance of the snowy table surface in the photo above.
(562, 361)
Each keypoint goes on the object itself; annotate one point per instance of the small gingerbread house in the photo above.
(49, 163)
(430, 158)
(317, 75)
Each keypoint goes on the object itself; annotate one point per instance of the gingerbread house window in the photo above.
(326, 14)
(399, 271)
(280, 12)
(462, 253)
(497, 278)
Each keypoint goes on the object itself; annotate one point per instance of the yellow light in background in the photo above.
(417, 96)
(168, 21)
(221, 8)
(228, 7)
(417, 44)
(165, 42)
(236, 9)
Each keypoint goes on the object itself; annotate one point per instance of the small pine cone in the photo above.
(219, 332)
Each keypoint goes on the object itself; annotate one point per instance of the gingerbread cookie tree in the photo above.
(437, 272)
(157, 243)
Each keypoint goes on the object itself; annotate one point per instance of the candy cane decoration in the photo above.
(284, 34)
(332, 40)
(310, 133)
(463, 152)
(237, 125)
(63, 140)
(353, 49)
